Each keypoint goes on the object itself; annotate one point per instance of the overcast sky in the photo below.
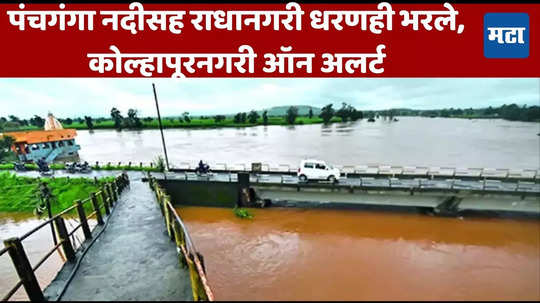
(76, 97)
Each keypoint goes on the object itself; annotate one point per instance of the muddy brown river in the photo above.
(293, 254)
(14, 224)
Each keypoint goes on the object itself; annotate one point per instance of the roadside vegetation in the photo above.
(22, 194)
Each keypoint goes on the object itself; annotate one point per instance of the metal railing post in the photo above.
(64, 238)
(24, 269)
(114, 188)
(105, 200)
(84, 222)
(95, 203)
(110, 194)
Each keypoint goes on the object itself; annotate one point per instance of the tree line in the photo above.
(512, 112)
(346, 112)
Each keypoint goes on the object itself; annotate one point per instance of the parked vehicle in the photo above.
(19, 166)
(76, 167)
(317, 170)
(43, 168)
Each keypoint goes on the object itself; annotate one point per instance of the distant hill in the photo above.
(303, 110)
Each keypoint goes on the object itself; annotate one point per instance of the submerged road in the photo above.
(132, 260)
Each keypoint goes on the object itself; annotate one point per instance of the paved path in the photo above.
(133, 259)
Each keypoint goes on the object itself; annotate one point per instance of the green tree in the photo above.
(219, 118)
(133, 120)
(445, 113)
(490, 111)
(343, 112)
(265, 117)
(327, 113)
(243, 118)
(5, 148)
(310, 113)
(533, 113)
(13, 118)
(292, 114)
(237, 118)
(355, 114)
(89, 122)
(117, 118)
(186, 117)
(68, 121)
(253, 116)
(37, 121)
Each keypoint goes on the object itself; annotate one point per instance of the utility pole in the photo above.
(161, 127)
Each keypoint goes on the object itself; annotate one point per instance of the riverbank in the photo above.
(22, 194)
(194, 123)
(210, 122)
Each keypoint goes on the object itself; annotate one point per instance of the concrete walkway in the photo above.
(132, 260)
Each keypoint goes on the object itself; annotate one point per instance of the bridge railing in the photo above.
(178, 232)
(347, 170)
(382, 170)
(102, 200)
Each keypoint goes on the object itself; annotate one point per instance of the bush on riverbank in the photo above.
(242, 213)
(21, 194)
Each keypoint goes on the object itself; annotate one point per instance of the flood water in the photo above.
(414, 141)
(329, 254)
(36, 246)
(294, 254)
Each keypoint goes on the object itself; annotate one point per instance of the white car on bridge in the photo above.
(311, 169)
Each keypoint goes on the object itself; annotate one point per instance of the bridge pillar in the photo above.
(243, 188)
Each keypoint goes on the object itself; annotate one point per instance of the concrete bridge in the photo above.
(473, 193)
(129, 255)
(438, 196)
(366, 170)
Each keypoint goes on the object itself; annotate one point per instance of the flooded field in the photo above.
(36, 246)
(294, 254)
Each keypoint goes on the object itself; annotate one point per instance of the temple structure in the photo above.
(52, 143)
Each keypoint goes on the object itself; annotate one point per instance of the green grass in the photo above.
(194, 123)
(21, 194)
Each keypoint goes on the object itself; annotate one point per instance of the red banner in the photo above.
(305, 49)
